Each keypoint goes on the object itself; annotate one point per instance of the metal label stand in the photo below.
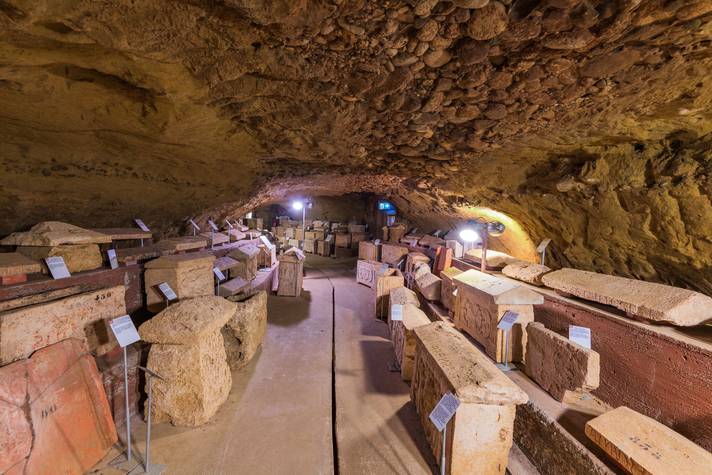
(155, 469)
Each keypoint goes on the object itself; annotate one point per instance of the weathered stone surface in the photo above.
(54, 233)
(387, 279)
(77, 257)
(54, 412)
(215, 239)
(564, 369)
(84, 316)
(639, 299)
(368, 251)
(291, 273)
(640, 444)
(124, 234)
(447, 287)
(495, 259)
(187, 321)
(403, 338)
(189, 353)
(413, 259)
(528, 272)
(393, 253)
(244, 332)
(400, 296)
(13, 263)
(480, 433)
(428, 285)
(189, 275)
(482, 300)
(487, 22)
(185, 243)
(248, 257)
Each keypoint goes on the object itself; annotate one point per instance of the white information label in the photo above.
(113, 261)
(444, 411)
(329, 238)
(580, 336)
(542, 245)
(437, 233)
(396, 312)
(213, 225)
(57, 267)
(229, 224)
(265, 241)
(141, 225)
(124, 331)
(507, 320)
(377, 242)
(192, 223)
(167, 291)
(218, 273)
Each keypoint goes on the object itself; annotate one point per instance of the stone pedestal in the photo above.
(482, 300)
(189, 353)
(479, 436)
(189, 275)
(246, 330)
(403, 338)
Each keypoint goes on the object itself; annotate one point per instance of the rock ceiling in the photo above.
(587, 120)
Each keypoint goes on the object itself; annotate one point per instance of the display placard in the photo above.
(580, 336)
(167, 291)
(141, 225)
(113, 261)
(218, 273)
(124, 330)
(192, 223)
(229, 224)
(213, 225)
(444, 410)
(265, 241)
(396, 312)
(57, 267)
(377, 242)
(542, 245)
(329, 238)
(507, 320)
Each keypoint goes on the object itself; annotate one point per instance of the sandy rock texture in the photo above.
(244, 332)
(587, 121)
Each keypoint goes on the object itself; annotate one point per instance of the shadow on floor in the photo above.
(288, 311)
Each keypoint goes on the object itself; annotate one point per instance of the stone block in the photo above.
(342, 240)
(125, 234)
(323, 248)
(215, 238)
(495, 259)
(482, 300)
(393, 253)
(368, 251)
(55, 233)
(357, 228)
(83, 316)
(528, 272)
(400, 296)
(479, 436)
(561, 367)
(356, 238)
(387, 279)
(188, 351)
(182, 244)
(429, 286)
(54, 412)
(247, 257)
(291, 273)
(456, 246)
(131, 255)
(395, 233)
(77, 257)
(431, 241)
(413, 259)
(639, 299)
(189, 275)
(244, 332)
(309, 246)
(237, 235)
(15, 263)
(641, 445)
(447, 287)
(403, 338)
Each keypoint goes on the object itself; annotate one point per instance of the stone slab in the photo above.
(495, 259)
(415, 258)
(447, 287)
(84, 316)
(77, 257)
(480, 433)
(215, 238)
(429, 286)
(245, 331)
(528, 272)
(500, 291)
(55, 412)
(124, 234)
(386, 280)
(185, 243)
(400, 296)
(14, 263)
(136, 254)
(561, 367)
(393, 253)
(641, 445)
(225, 263)
(55, 233)
(639, 299)
(233, 287)
(368, 251)
(403, 338)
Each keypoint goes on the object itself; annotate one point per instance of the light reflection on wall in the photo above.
(515, 241)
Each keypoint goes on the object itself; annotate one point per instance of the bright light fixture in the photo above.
(297, 205)
(469, 235)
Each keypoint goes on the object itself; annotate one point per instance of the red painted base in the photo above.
(13, 279)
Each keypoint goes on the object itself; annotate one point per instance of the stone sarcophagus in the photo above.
(403, 337)
(479, 436)
(83, 316)
(387, 279)
(189, 353)
(393, 253)
(368, 251)
(482, 300)
(189, 275)
(291, 268)
(366, 272)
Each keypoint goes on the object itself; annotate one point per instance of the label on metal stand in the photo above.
(580, 336)
(167, 291)
(507, 320)
(113, 261)
(192, 223)
(141, 225)
(57, 267)
(396, 312)
(213, 225)
(218, 273)
(444, 410)
(124, 330)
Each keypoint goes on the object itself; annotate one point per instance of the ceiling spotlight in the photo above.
(297, 205)
(469, 235)
(495, 228)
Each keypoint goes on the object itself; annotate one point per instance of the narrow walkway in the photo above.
(278, 418)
